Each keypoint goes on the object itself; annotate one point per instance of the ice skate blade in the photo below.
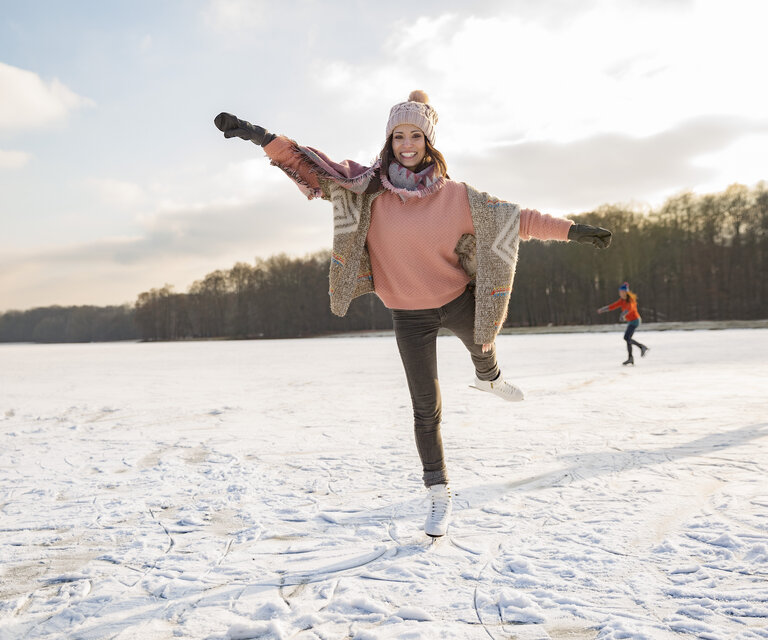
(471, 386)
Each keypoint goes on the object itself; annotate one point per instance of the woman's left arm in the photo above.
(542, 226)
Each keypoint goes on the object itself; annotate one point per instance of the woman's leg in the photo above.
(631, 326)
(458, 316)
(416, 334)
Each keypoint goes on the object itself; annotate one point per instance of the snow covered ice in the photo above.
(271, 489)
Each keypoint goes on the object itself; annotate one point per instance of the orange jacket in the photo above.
(628, 308)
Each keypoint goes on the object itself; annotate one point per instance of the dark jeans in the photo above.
(416, 333)
(631, 326)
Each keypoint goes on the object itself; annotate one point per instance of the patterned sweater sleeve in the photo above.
(285, 154)
(542, 226)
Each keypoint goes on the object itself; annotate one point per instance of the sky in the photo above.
(114, 181)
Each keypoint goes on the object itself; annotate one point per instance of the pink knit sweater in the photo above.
(412, 244)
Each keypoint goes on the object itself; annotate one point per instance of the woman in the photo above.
(627, 302)
(438, 253)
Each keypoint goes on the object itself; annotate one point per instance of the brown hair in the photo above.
(432, 156)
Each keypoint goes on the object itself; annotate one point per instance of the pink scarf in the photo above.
(356, 177)
(348, 174)
(407, 184)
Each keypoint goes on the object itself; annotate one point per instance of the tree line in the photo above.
(279, 297)
(695, 258)
(70, 324)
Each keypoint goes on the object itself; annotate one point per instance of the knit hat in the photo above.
(416, 111)
(624, 286)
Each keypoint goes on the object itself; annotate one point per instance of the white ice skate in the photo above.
(500, 387)
(439, 511)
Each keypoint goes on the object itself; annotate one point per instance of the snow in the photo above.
(271, 490)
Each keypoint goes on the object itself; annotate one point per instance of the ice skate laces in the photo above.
(439, 510)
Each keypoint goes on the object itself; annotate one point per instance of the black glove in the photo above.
(588, 234)
(232, 127)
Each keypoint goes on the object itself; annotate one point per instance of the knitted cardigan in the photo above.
(490, 256)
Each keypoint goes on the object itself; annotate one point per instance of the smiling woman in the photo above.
(439, 254)
(408, 145)
(411, 145)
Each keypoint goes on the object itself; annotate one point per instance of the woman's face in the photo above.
(623, 294)
(408, 145)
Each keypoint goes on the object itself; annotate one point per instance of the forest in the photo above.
(697, 257)
(70, 324)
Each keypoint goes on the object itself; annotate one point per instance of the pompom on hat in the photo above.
(417, 111)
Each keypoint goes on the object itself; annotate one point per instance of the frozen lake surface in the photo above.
(271, 489)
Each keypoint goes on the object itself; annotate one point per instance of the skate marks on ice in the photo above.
(517, 566)
(217, 523)
(169, 567)
(298, 559)
(612, 538)
(154, 542)
(314, 576)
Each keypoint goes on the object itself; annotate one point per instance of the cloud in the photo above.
(13, 159)
(580, 175)
(606, 66)
(29, 102)
(246, 229)
(174, 246)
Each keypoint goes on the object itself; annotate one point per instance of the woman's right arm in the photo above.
(610, 307)
(282, 151)
(311, 170)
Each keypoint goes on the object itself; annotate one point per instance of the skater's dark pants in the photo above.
(631, 326)
(416, 334)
